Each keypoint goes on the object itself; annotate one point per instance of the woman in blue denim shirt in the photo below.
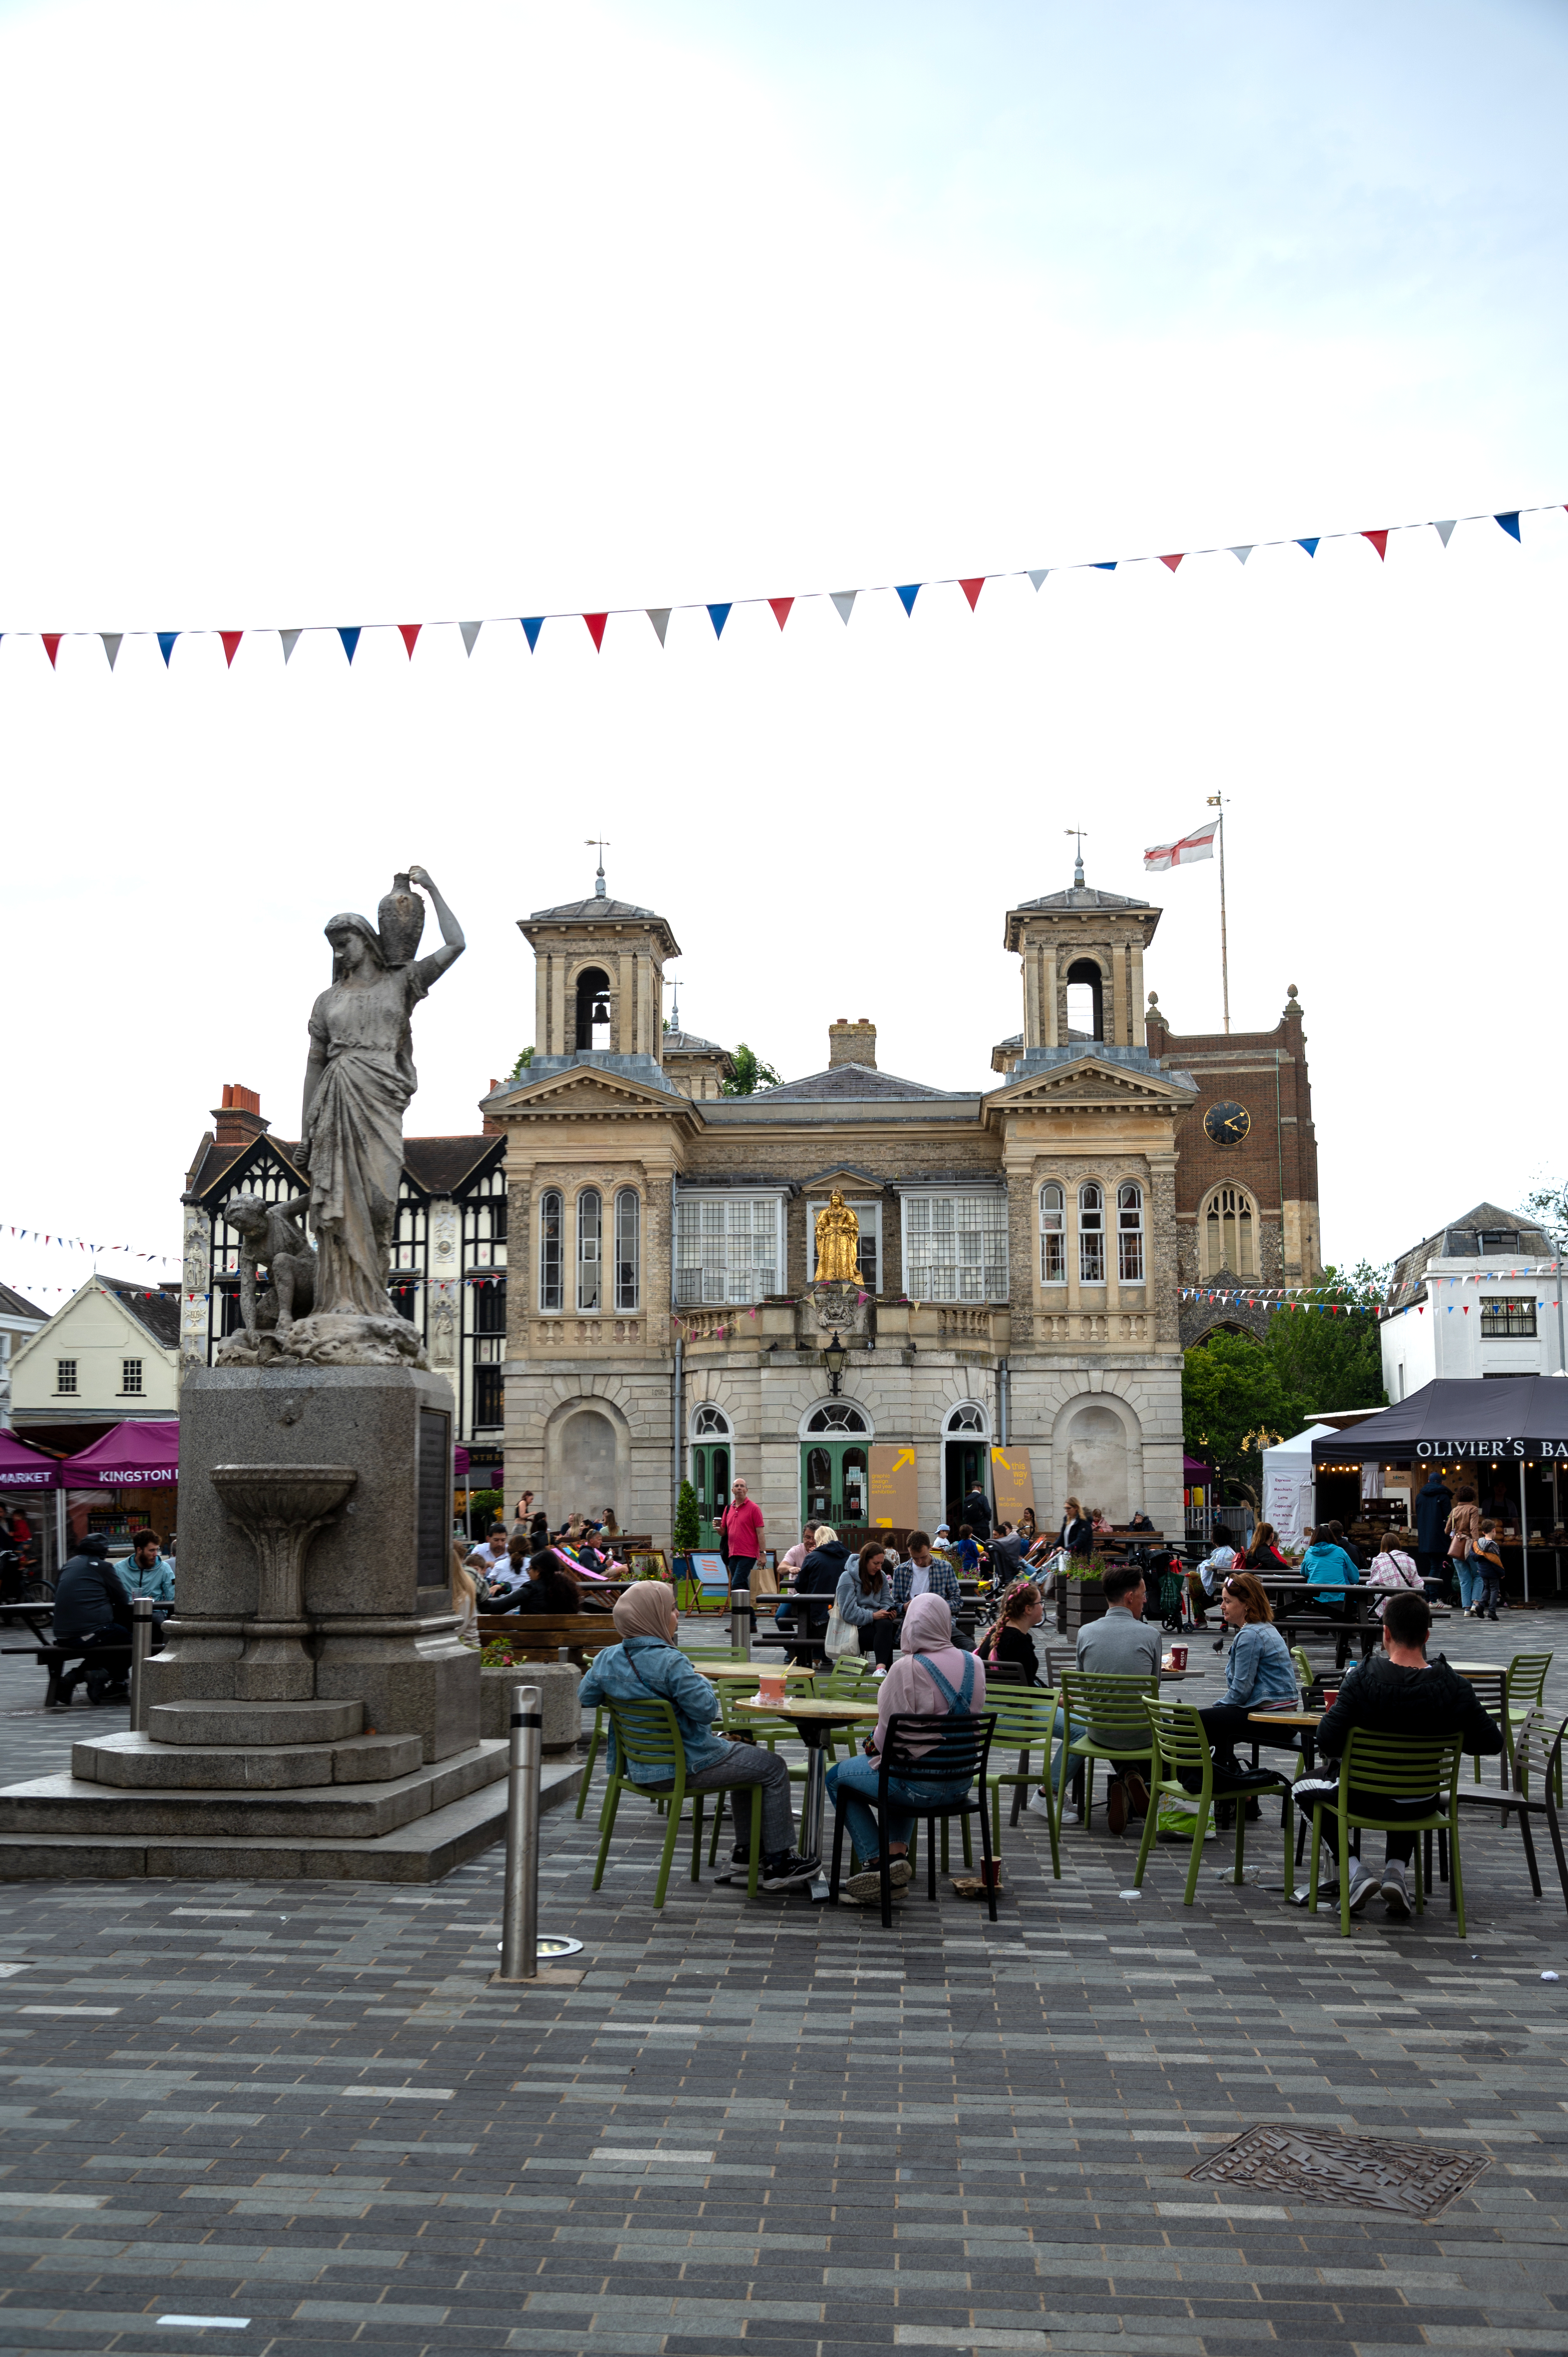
(1260, 1671)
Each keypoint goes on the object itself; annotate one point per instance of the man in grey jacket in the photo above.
(1123, 1644)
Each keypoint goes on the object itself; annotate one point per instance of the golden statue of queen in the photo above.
(838, 1244)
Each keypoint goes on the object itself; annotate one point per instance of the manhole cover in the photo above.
(1413, 2180)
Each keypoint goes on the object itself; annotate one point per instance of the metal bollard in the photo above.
(740, 1619)
(519, 1927)
(141, 1650)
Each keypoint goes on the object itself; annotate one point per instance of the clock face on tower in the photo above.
(1227, 1125)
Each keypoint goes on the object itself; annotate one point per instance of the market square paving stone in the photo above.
(770, 2127)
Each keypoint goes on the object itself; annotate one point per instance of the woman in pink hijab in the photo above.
(931, 1678)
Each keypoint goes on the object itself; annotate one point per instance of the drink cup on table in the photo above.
(1179, 1657)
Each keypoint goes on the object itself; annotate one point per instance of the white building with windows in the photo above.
(1479, 1297)
(109, 1354)
(1018, 1248)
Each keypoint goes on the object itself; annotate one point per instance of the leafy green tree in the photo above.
(687, 1530)
(1547, 1204)
(521, 1065)
(750, 1074)
(1325, 1354)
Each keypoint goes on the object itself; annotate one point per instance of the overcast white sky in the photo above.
(364, 314)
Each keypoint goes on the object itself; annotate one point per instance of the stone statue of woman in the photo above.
(358, 1083)
(359, 1079)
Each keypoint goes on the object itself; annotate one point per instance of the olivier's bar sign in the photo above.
(1450, 1452)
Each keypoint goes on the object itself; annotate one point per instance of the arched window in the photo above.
(837, 1416)
(1053, 1236)
(1085, 1000)
(1229, 1228)
(592, 1008)
(590, 1248)
(966, 1417)
(629, 1248)
(1130, 1233)
(709, 1423)
(550, 1250)
(1092, 1233)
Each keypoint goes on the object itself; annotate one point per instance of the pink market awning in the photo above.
(1194, 1469)
(460, 1462)
(131, 1457)
(22, 1467)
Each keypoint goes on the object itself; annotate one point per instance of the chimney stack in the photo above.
(238, 1118)
(852, 1043)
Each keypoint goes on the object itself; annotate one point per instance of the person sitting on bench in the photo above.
(93, 1612)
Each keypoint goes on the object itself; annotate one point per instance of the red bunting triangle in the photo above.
(231, 641)
(1172, 561)
(596, 623)
(51, 645)
(971, 591)
(409, 632)
(781, 609)
(1379, 541)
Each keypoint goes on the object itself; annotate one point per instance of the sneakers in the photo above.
(783, 1873)
(1038, 1803)
(1395, 1889)
(899, 1872)
(865, 1888)
(1363, 1882)
(1116, 1805)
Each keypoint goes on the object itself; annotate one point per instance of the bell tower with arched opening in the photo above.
(1082, 957)
(598, 978)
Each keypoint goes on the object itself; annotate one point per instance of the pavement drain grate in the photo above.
(1413, 2180)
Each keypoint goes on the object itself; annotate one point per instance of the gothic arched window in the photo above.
(1092, 1233)
(1228, 1226)
(590, 1248)
(550, 1250)
(1053, 1236)
(1130, 1233)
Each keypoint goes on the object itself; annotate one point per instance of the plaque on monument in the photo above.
(433, 1500)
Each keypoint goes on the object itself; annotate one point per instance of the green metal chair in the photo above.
(752, 1727)
(650, 1758)
(1181, 1748)
(1102, 1698)
(1387, 1767)
(1524, 1691)
(1026, 1723)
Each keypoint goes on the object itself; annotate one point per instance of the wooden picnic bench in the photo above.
(57, 1660)
(539, 1636)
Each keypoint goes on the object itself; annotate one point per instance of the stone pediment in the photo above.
(587, 1091)
(1089, 1082)
(846, 1178)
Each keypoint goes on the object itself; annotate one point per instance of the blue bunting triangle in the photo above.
(1310, 545)
(351, 637)
(718, 616)
(1510, 523)
(166, 644)
(908, 591)
(1104, 565)
(531, 626)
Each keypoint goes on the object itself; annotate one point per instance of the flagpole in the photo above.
(1217, 801)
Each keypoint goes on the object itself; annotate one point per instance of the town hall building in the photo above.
(1022, 1248)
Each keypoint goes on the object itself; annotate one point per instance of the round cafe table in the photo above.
(812, 1716)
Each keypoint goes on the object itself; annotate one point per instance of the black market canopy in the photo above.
(1485, 1419)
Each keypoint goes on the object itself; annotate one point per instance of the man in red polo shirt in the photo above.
(740, 1529)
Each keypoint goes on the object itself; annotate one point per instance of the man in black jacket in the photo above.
(976, 1512)
(818, 1576)
(1397, 1692)
(1434, 1505)
(92, 1609)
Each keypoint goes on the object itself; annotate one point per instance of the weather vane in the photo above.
(1080, 832)
(601, 844)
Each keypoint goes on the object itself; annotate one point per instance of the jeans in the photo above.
(852, 1777)
(1227, 1725)
(1396, 1846)
(1469, 1579)
(1488, 1591)
(743, 1765)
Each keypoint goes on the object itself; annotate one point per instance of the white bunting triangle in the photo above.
(470, 632)
(1444, 531)
(845, 600)
(1037, 577)
(112, 640)
(659, 618)
(290, 641)
(1241, 555)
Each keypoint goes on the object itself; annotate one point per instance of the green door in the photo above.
(710, 1479)
(835, 1483)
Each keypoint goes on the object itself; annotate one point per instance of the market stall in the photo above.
(1508, 1437)
(138, 1465)
(26, 1476)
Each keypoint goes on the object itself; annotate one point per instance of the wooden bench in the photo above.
(114, 1660)
(539, 1636)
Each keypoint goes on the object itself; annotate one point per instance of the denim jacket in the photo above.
(642, 1668)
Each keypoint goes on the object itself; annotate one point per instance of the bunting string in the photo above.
(718, 610)
(80, 1243)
